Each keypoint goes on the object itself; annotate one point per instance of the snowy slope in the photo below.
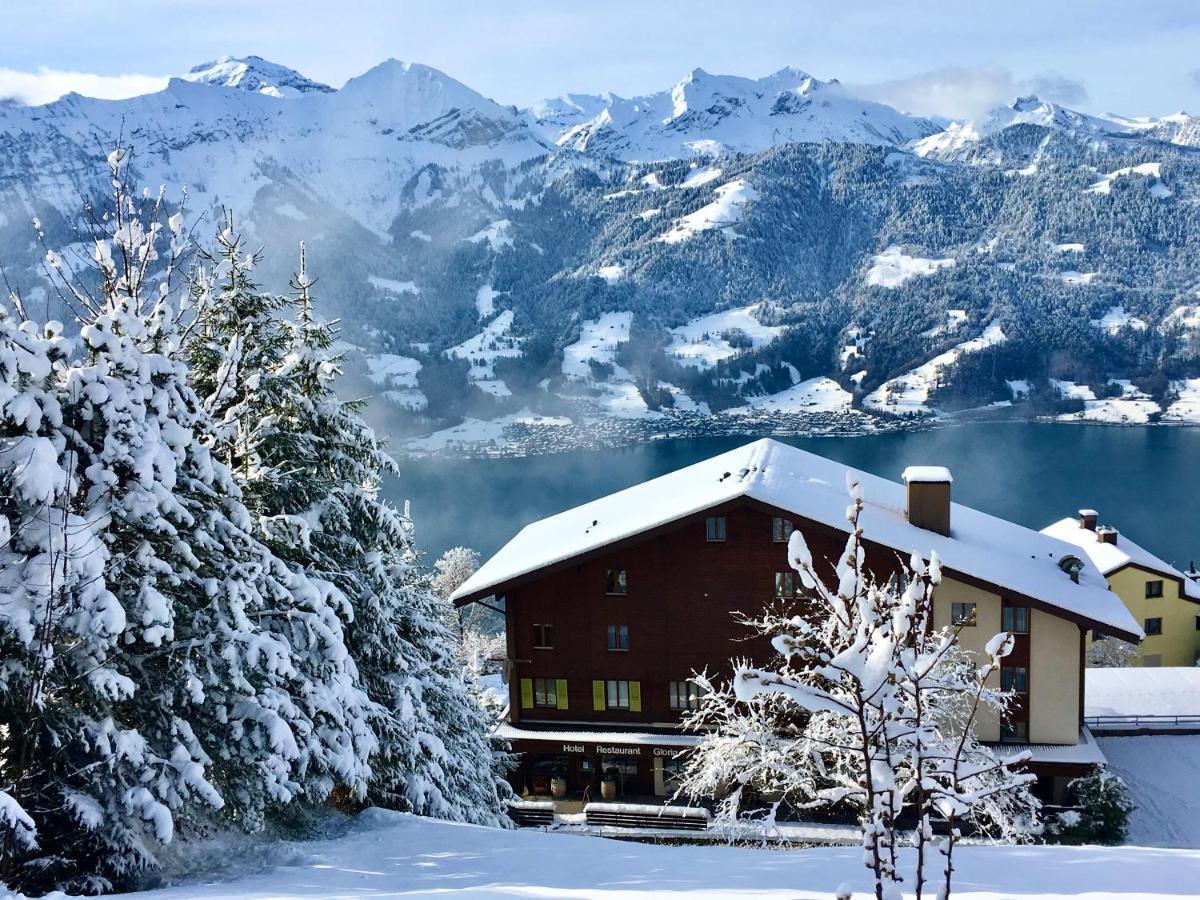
(706, 114)
(389, 854)
(256, 75)
(1163, 775)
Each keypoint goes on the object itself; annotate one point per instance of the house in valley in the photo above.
(1162, 599)
(612, 606)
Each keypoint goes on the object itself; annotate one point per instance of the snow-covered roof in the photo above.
(1109, 557)
(1144, 691)
(993, 550)
(1086, 752)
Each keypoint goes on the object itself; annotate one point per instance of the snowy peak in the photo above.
(430, 105)
(959, 137)
(705, 114)
(257, 76)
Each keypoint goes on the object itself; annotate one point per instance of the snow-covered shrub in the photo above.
(866, 706)
(1102, 809)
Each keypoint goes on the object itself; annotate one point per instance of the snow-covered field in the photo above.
(893, 267)
(814, 395)
(910, 392)
(391, 855)
(598, 340)
(1131, 408)
(1163, 774)
(700, 343)
(723, 213)
(491, 344)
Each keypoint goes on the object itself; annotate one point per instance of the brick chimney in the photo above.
(929, 497)
(1087, 519)
(1106, 534)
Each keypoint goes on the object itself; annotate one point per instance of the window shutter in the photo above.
(526, 693)
(635, 696)
(560, 692)
(598, 695)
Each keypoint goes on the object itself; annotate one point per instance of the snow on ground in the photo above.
(598, 340)
(291, 211)
(684, 403)
(479, 431)
(699, 343)
(893, 267)
(1152, 171)
(420, 235)
(1187, 407)
(910, 392)
(724, 212)
(491, 344)
(1072, 277)
(611, 274)
(1116, 318)
(1132, 407)
(814, 395)
(1069, 248)
(494, 386)
(955, 319)
(1163, 774)
(392, 286)
(498, 235)
(698, 177)
(1019, 388)
(389, 855)
(398, 375)
(649, 214)
(485, 300)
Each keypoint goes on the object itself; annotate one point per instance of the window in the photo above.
(549, 693)
(684, 694)
(1015, 619)
(716, 529)
(618, 637)
(1198, 623)
(785, 584)
(543, 637)
(614, 581)
(616, 694)
(781, 530)
(1015, 679)
(1153, 626)
(1154, 588)
(962, 614)
(1014, 731)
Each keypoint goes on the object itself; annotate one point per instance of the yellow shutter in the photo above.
(526, 693)
(598, 695)
(560, 692)
(635, 696)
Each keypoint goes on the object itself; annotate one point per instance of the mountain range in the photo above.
(771, 245)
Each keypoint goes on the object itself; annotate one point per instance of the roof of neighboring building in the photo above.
(1108, 558)
(981, 546)
(1144, 691)
(598, 735)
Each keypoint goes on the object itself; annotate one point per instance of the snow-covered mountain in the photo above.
(770, 244)
(1179, 129)
(257, 75)
(707, 114)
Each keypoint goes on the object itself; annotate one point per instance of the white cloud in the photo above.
(960, 92)
(47, 84)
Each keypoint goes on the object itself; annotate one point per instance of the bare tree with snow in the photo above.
(867, 706)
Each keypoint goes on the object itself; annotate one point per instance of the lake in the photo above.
(1144, 481)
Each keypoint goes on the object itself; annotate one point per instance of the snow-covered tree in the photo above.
(310, 468)
(452, 569)
(160, 661)
(1111, 653)
(866, 706)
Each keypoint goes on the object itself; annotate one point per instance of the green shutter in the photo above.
(560, 692)
(635, 696)
(526, 693)
(598, 695)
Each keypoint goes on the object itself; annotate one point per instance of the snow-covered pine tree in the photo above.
(149, 674)
(310, 468)
(868, 707)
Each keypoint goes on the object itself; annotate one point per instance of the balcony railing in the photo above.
(1120, 723)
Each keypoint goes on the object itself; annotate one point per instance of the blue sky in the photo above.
(957, 58)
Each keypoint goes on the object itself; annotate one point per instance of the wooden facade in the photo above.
(603, 640)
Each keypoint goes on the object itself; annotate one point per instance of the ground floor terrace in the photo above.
(571, 764)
